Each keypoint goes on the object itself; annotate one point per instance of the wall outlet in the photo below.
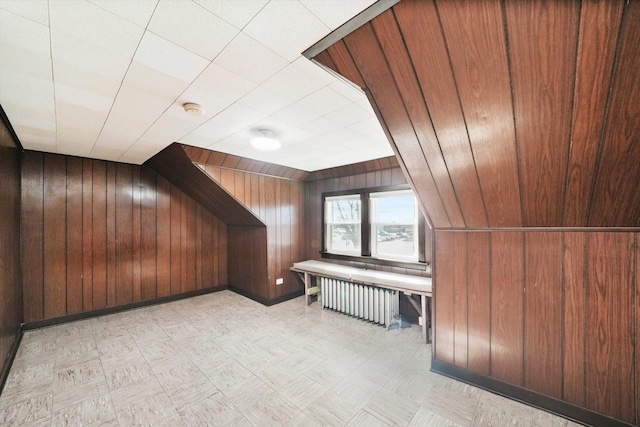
(279, 281)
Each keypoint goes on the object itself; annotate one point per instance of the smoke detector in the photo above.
(193, 108)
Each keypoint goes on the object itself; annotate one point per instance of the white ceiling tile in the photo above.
(296, 115)
(94, 25)
(349, 91)
(266, 101)
(336, 12)
(37, 11)
(106, 153)
(366, 127)
(324, 101)
(83, 79)
(22, 62)
(249, 59)
(24, 89)
(349, 115)
(36, 138)
(138, 153)
(191, 26)
(162, 55)
(84, 56)
(287, 28)
(153, 81)
(228, 122)
(135, 11)
(320, 126)
(168, 129)
(292, 82)
(237, 13)
(72, 143)
(84, 98)
(33, 37)
(340, 135)
(30, 117)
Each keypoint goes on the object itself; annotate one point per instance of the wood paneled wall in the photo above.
(508, 114)
(279, 203)
(553, 312)
(101, 234)
(10, 277)
(314, 190)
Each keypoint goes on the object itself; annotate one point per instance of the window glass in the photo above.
(343, 216)
(394, 225)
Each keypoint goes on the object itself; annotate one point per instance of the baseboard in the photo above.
(9, 359)
(116, 309)
(266, 301)
(549, 404)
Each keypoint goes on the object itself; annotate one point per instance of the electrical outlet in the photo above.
(279, 281)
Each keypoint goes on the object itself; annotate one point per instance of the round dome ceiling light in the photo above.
(193, 108)
(265, 141)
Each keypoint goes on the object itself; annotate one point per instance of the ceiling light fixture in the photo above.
(193, 108)
(265, 141)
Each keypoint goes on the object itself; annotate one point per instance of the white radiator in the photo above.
(365, 302)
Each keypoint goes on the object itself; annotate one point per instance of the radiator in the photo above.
(376, 305)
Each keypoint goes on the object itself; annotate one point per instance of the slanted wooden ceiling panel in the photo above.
(542, 40)
(370, 60)
(427, 52)
(482, 79)
(508, 114)
(616, 198)
(599, 28)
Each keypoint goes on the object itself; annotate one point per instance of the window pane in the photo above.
(344, 237)
(396, 209)
(395, 240)
(345, 211)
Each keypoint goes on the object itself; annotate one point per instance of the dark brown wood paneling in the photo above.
(599, 27)
(616, 197)
(610, 367)
(543, 82)
(507, 278)
(55, 259)
(105, 231)
(443, 209)
(74, 236)
(148, 234)
(444, 296)
(176, 261)
(99, 245)
(124, 234)
(478, 54)
(87, 234)
(479, 301)
(111, 292)
(543, 313)
(637, 334)
(573, 388)
(342, 59)
(426, 46)
(32, 235)
(460, 300)
(163, 237)
(251, 278)
(174, 164)
(11, 301)
(271, 199)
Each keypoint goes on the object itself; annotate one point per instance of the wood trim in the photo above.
(266, 301)
(5, 120)
(521, 394)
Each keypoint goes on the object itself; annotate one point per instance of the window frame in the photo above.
(365, 230)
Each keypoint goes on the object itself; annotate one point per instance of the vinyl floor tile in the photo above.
(222, 359)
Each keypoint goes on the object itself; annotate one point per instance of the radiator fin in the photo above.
(369, 303)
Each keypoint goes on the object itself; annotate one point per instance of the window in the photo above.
(394, 225)
(375, 225)
(343, 219)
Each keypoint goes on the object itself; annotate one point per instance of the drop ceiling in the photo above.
(107, 79)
